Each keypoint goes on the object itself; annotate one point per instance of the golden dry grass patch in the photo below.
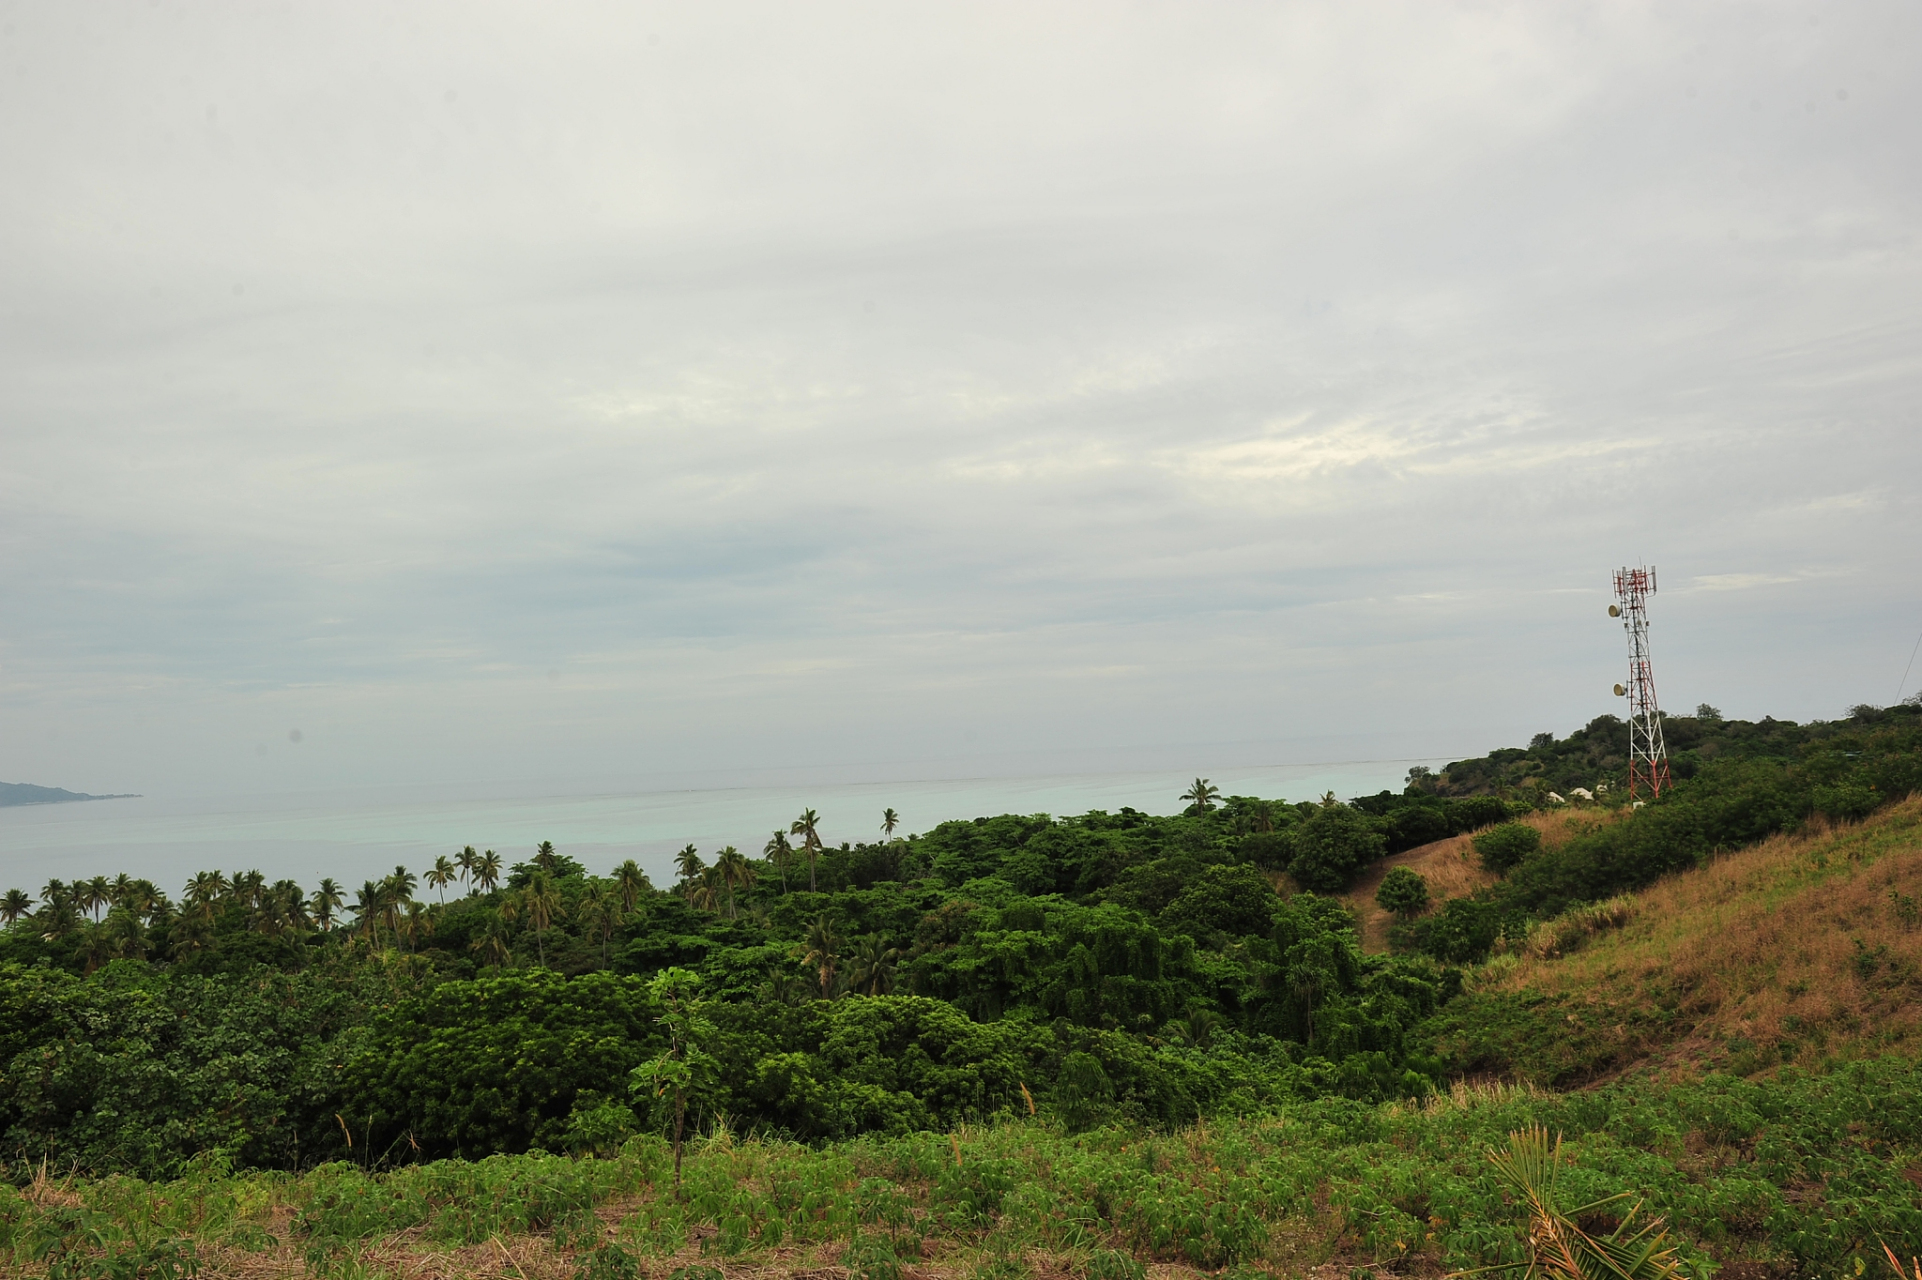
(1798, 949)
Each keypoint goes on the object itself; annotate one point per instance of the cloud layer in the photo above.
(497, 393)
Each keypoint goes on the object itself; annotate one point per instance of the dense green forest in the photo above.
(1102, 968)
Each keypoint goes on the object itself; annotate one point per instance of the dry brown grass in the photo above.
(1452, 869)
(1803, 949)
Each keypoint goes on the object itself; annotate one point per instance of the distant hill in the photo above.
(27, 793)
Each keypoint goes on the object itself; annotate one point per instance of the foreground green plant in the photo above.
(1558, 1247)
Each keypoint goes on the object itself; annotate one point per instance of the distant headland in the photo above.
(27, 793)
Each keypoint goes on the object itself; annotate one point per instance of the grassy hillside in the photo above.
(1801, 950)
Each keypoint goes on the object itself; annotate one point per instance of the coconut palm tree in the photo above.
(687, 865)
(17, 903)
(92, 896)
(806, 826)
(542, 901)
(440, 875)
(492, 946)
(326, 901)
(465, 860)
(871, 966)
(1202, 796)
(599, 911)
(735, 872)
(704, 891)
(632, 882)
(544, 856)
(487, 871)
(889, 821)
(247, 888)
(820, 950)
(778, 851)
(204, 891)
(369, 902)
(57, 916)
(190, 933)
(418, 923)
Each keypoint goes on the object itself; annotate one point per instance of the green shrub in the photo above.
(1504, 847)
(1332, 846)
(1402, 892)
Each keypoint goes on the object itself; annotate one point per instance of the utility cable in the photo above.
(1907, 669)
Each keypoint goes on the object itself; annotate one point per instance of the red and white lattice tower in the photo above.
(1647, 755)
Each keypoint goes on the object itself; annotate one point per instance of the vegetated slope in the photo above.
(1451, 869)
(1801, 950)
(1805, 1176)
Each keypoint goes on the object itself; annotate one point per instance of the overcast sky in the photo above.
(557, 391)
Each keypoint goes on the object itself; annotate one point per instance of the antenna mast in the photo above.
(1647, 754)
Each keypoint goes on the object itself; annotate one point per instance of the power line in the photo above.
(1905, 670)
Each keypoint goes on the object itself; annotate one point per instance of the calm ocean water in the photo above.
(353, 835)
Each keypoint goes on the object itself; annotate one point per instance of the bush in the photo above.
(1332, 846)
(1403, 892)
(1503, 848)
(1471, 813)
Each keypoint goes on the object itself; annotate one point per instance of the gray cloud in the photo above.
(807, 386)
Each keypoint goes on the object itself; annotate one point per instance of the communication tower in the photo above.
(1647, 754)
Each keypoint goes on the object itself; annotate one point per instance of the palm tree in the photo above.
(493, 946)
(599, 911)
(17, 903)
(704, 891)
(632, 882)
(248, 886)
(735, 872)
(57, 915)
(871, 967)
(780, 853)
(418, 923)
(190, 933)
(544, 856)
(396, 891)
(369, 902)
(889, 821)
(92, 895)
(687, 865)
(487, 871)
(806, 826)
(204, 892)
(326, 901)
(820, 950)
(440, 875)
(465, 860)
(283, 910)
(1201, 797)
(543, 903)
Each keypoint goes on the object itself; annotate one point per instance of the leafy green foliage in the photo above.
(1504, 847)
(1803, 1174)
(987, 969)
(1402, 892)
(1332, 846)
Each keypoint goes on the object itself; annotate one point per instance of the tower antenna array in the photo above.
(1647, 754)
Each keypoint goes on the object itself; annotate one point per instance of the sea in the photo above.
(354, 834)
